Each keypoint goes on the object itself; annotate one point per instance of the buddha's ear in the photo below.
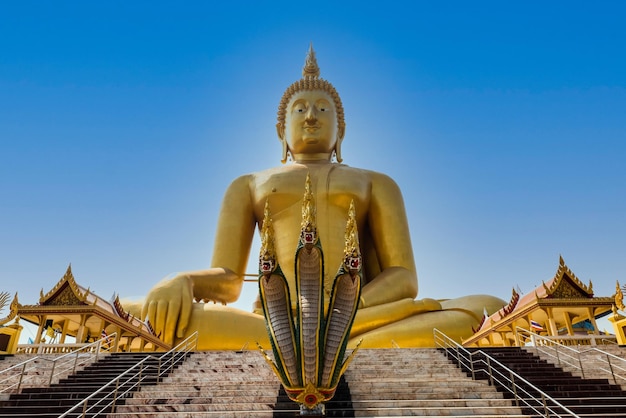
(280, 130)
(341, 130)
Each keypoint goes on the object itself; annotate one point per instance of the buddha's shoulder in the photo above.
(297, 170)
(373, 176)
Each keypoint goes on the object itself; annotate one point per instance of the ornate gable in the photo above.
(65, 293)
(619, 297)
(565, 285)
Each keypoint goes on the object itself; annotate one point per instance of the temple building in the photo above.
(563, 309)
(69, 315)
(70, 310)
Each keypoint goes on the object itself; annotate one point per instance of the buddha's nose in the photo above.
(311, 114)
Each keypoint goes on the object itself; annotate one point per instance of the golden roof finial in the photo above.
(267, 257)
(310, 69)
(619, 297)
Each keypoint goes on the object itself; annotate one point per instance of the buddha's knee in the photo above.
(418, 330)
(225, 328)
(477, 304)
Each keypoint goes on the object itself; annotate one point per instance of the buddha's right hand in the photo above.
(168, 307)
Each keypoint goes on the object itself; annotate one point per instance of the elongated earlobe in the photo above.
(341, 130)
(280, 130)
(285, 152)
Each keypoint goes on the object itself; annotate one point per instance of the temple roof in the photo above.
(68, 300)
(564, 292)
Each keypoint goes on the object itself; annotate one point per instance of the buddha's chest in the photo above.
(332, 187)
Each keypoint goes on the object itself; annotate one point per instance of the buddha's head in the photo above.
(310, 117)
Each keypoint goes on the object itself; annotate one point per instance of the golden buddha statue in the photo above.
(311, 128)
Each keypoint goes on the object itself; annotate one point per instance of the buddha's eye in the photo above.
(322, 106)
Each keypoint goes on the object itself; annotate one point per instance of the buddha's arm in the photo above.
(235, 229)
(169, 303)
(233, 240)
(390, 231)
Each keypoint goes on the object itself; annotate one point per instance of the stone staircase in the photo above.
(37, 371)
(594, 362)
(585, 397)
(385, 382)
(54, 400)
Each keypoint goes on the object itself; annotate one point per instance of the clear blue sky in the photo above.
(122, 124)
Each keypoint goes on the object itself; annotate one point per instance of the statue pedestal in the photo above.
(9, 336)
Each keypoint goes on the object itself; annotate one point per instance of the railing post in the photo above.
(54, 363)
(140, 376)
(545, 405)
(75, 362)
(608, 359)
(85, 408)
(490, 371)
(514, 388)
(558, 358)
(580, 363)
(19, 384)
(471, 360)
(117, 384)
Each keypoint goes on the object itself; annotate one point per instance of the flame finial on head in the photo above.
(310, 69)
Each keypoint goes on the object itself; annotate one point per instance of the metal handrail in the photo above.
(580, 340)
(502, 376)
(133, 377)
(563, 354)
(58, 365)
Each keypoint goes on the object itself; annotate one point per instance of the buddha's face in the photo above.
(311, 123)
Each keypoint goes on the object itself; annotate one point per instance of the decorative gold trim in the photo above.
(308, 235)
(310, 396)
(619, 297)
(352, 259)
(506, 310)
(68, 278)
(267, 258)
(561, 272)
(13, 307)
(346, 363)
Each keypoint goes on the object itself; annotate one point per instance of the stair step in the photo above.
(58, 398)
